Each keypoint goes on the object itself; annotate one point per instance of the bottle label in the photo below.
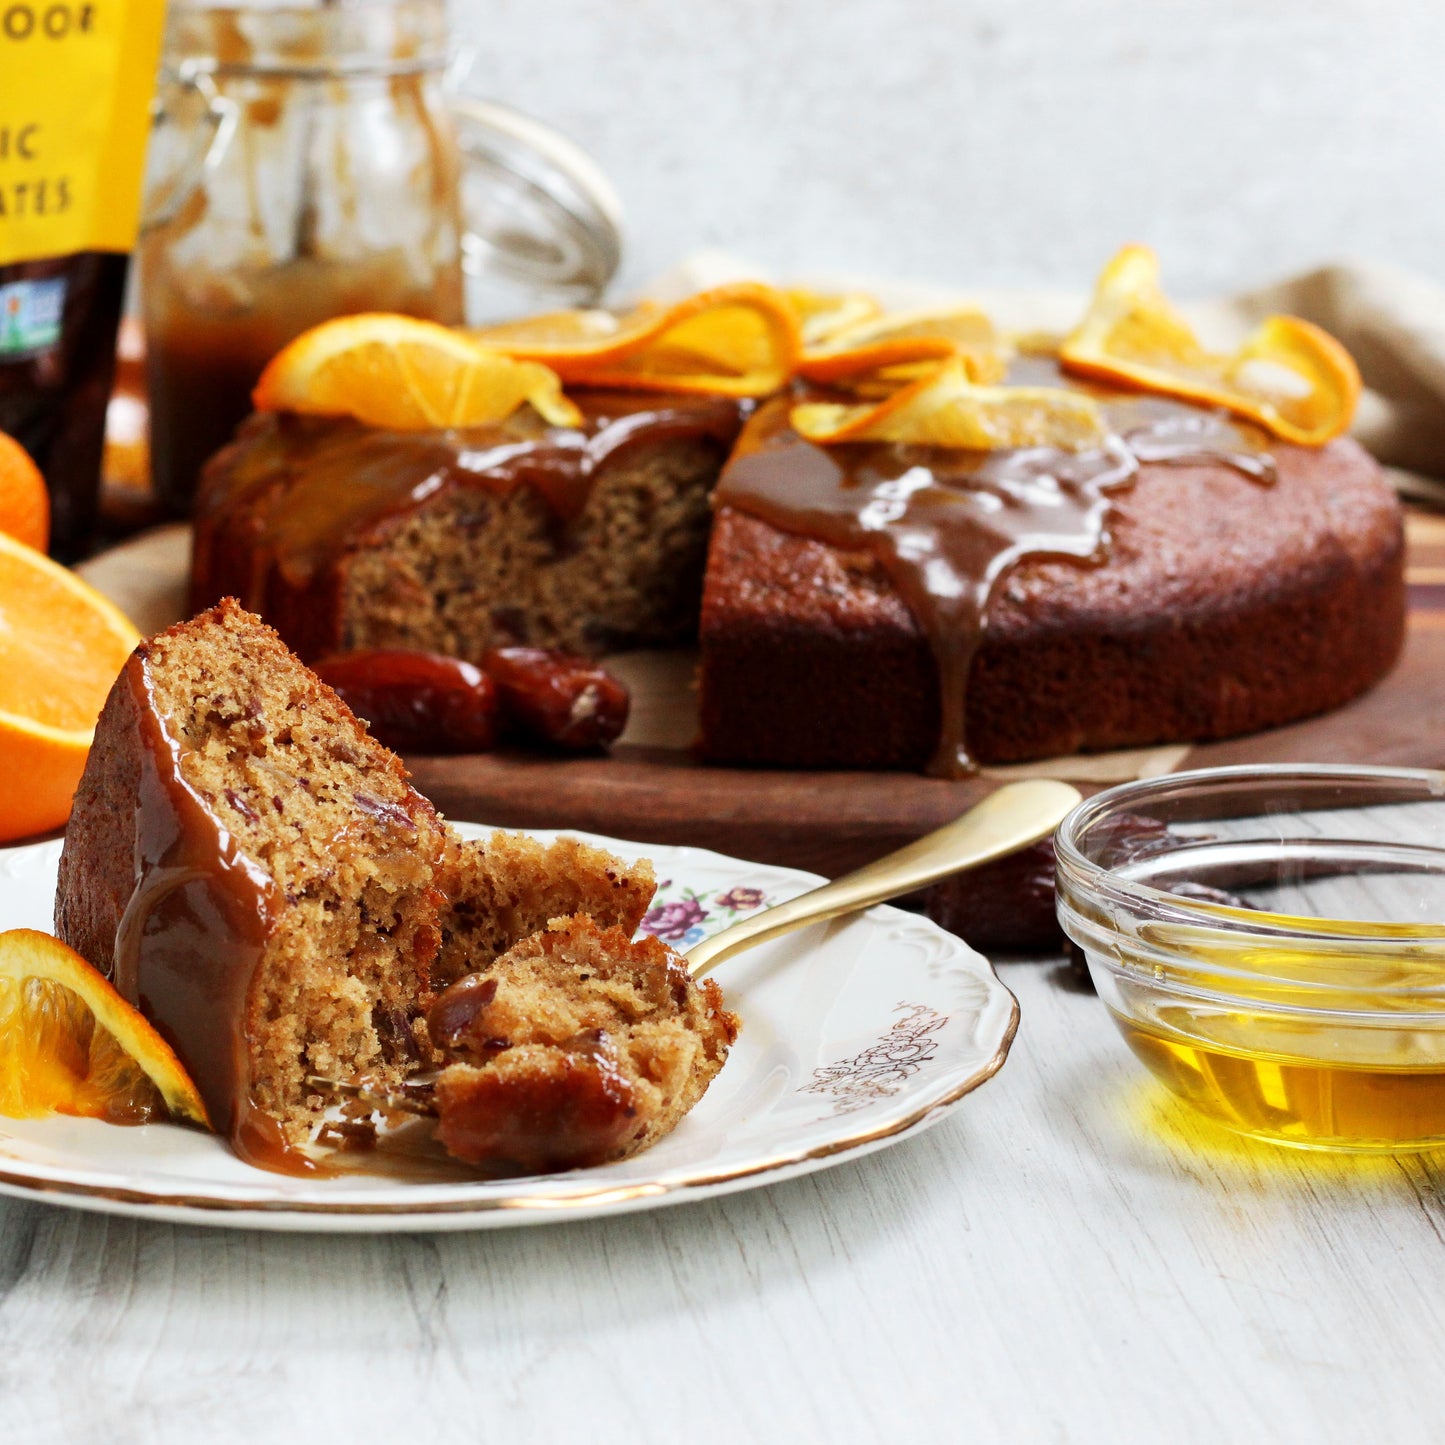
(76, 78)
(32, 314)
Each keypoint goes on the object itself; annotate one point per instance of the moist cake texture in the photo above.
(502, 889)
(258, 876)
(587, 539)
(255, 873)
(609, 1041)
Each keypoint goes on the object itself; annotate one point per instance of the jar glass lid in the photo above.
(538, 212)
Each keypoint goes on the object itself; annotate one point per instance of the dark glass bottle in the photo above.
(58, 321)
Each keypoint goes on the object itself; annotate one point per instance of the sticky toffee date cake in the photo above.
(881, 605)
(1187, 576)
(586, 538)
(257, 875)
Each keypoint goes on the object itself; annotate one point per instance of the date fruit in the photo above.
(556, 698)
(417, 702)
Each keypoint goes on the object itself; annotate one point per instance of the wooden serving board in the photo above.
(651, 789)
(830, 821)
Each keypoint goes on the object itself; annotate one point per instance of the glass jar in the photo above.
(309, 163)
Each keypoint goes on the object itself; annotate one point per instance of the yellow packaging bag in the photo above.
(76, 78)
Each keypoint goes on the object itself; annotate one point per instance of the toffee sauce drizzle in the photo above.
(304, 489)
(192, 934)
(947, 525)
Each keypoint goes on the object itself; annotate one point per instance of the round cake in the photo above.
(1178, 574)
(1225, 600)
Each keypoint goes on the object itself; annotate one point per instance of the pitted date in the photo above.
(417, 702)
(556, 698)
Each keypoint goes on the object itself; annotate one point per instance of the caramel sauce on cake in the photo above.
(193, 933)
(256, 874)
(947, 525)
(303, 489)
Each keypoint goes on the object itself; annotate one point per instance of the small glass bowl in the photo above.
(1271, 943)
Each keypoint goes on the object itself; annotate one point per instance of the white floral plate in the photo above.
(855, 1034)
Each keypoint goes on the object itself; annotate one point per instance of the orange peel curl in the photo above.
(1290, 377)
(740, 340)
(905, 346)
(823, 314)
(948, 409)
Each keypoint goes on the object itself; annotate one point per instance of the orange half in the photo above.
(408, 375)
(1290, 376)
(947, 409)
(70, 1044)
(739, 340)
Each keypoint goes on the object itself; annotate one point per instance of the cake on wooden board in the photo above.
(257, 875)
(587, 538)
(1129, 541)
(1226, 603)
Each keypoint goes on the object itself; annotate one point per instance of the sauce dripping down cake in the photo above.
(258, 876)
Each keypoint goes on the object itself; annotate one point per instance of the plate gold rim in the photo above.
(558, 1206)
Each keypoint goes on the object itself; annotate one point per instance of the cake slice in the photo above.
(588, 538)
(257, 875)
(575, 1047)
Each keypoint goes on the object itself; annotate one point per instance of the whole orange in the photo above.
(61, 646)
(24, 502)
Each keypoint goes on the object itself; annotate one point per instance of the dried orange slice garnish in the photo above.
(823, 314)
(947, 409)
(739, 340)
(409, 375)
(1289, 376)
(904, 345)
(70, 1044)
(24, 501)
(61, 646)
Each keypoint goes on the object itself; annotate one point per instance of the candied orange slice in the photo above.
(70, 1044)
(947, 409)
(902, 347)
(739, 340)
(409, 375)
(1289, 376)
(822, 314)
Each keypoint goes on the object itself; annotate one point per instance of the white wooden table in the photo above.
(1067, 1258)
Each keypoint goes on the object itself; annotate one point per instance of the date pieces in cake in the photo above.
(423, 702)
(249, 875)
(578, 1046)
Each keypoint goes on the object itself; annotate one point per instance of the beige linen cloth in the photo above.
(1392, 322)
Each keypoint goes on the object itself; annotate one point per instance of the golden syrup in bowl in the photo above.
(1270, 942)
(1313, 1091)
